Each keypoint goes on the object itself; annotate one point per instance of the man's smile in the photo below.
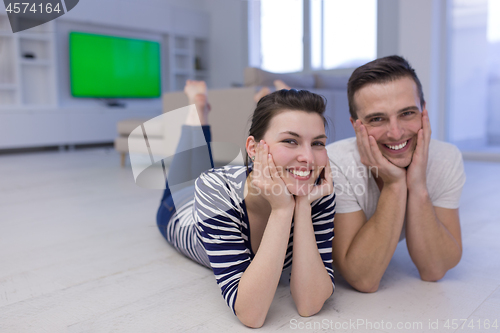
(397, 148)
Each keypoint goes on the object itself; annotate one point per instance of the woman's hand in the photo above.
(266, 178)
(323, 188)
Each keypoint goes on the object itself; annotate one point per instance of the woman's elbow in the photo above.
(255, 321)
(308, 308)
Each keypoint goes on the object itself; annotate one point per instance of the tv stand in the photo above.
(112, 103)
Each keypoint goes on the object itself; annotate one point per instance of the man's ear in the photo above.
(251, 146)
(352, 121)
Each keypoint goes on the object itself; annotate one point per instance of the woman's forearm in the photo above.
(310, 283)
(258, 283)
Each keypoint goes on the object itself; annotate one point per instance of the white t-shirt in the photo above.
(356, 189)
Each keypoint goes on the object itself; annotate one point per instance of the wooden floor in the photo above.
(80, 252)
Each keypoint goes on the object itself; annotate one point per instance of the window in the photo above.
(474, 76)
(339, 34)
(281, 35)
(343, 33)
(493, 21)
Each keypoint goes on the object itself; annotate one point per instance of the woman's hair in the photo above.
(279, 101)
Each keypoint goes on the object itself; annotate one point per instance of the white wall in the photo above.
(422, 26)
(228, 41)
(387, 28)
(154, 15)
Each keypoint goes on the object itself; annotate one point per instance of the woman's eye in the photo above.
(318, 143)
(290, 141)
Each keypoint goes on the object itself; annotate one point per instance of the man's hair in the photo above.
(382, 70)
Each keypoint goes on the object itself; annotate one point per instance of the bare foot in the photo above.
(261, 93)
(196, 91)
(193, 88)
(278, 84)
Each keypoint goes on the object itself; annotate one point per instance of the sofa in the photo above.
(230, 116)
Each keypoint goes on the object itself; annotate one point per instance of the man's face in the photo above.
(391, 113)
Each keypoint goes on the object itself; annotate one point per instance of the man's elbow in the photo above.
(432, 275)
(366, 287)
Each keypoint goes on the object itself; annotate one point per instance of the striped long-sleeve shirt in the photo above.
(222, 227)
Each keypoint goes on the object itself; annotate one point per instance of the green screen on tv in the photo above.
(113, 67)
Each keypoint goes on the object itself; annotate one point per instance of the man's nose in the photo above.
(395, 130)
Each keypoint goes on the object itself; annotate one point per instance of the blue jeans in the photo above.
(187, 165)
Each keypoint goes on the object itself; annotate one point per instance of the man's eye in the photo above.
(376, 119)
(408, 113)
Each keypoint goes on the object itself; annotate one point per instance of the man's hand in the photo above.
(372, 157)
(416, 174)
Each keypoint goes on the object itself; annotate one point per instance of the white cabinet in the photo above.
(27, 67)
(8, 83)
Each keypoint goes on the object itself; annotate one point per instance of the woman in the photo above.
(249, 223)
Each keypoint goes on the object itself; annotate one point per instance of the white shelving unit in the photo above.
(189, 60)
(27, 65)
(8, 83)
(201, 59)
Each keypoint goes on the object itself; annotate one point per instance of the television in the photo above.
(113, 67)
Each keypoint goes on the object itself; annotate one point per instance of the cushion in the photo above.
(125, 127)
(331, 82)
(121, 144)
(258, 77)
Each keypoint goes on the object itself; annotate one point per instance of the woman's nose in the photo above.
(306, 155)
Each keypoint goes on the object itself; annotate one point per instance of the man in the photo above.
(392, 181)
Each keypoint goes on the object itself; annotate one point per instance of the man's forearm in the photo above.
(310, 283)
(373, 246)
(432, 247)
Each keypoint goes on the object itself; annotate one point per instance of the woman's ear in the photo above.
(251, 146)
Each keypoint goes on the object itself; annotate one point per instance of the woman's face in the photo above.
(296, 141)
